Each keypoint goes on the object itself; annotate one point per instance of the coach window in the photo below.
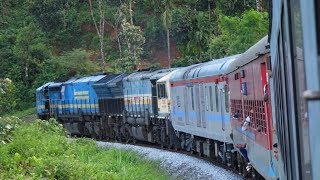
(226, 96)
(206, 97)
(211, 97)
(178, 101)
(192, 100)
(217, 98)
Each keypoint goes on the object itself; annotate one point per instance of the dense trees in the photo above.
(8, 101)
(237, 33)
(49, 40)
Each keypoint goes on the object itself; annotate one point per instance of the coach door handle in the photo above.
(311, 95)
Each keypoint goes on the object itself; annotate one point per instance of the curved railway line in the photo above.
(215, 162)
(179, 164)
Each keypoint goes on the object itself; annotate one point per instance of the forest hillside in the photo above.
(54, 40)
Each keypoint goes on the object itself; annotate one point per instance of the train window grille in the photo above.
(279, 110)
(258, 118)
(283, 58)
(248, 105)
(236, 105)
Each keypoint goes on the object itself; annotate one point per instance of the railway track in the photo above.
(215, 162)
(178, 164)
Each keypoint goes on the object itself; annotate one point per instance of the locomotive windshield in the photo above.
(162, 92)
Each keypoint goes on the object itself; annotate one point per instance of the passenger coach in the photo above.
(200, 107)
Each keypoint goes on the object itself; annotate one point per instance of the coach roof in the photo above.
(211, 68)
(54, 85)
(181, 73)
(43, 86)
(167, 77)
(255, 51)
(89, 79)
(215, 67)
(147, 75)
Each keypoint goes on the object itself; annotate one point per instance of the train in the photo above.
(295, 86)
(255, 112)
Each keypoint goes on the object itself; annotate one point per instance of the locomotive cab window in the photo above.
(162, 93)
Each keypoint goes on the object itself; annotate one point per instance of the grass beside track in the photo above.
(40, 150)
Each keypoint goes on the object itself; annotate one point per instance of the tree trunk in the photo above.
(102, 24)
(100, 31)
(130, 9)
(102, 53)
(168, 45)
(119, 45)
(26, 70)
(131, 22)
(259, 5)
(209, 11)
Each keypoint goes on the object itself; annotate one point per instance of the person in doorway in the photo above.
(275, 151)
(248, 120)
(236, 115)
(243, 150)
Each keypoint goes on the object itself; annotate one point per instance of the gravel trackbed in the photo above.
(178, 166)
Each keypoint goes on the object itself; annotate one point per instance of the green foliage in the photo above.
(239, 33)
(7, 126)
(74, 63)
(132, 40)
(61, 20)
(31, 50)
(155, 66)
(200, 34)
(40, 150)
(181, 24)
(8, 93)
(234, 7)
(25, 113)
(189, 60)
(53, 39)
